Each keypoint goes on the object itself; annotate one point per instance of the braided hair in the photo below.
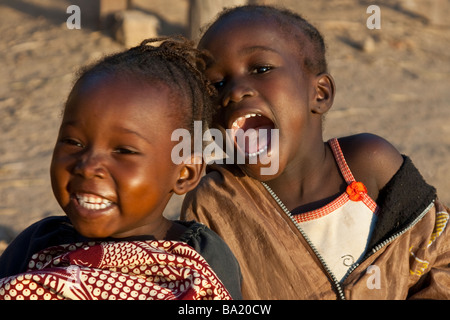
(174, 62)
(287, 20)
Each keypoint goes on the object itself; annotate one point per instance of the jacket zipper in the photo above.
(378, 247)
(336, 283)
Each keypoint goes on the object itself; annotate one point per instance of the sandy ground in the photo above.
(393, 82)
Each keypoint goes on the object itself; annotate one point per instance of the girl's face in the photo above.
(111, 170)
(262, 85)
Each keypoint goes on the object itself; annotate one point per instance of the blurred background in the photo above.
(392, 81)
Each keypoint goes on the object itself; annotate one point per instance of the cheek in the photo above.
(138, 197)
(137, 183)
(59, 170)
(59, 178)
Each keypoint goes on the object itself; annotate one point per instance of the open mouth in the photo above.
(252, 134)
(93, 202)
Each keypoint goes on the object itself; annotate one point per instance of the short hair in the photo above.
(176, 63)
(287, 20)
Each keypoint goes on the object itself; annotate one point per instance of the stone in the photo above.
(131, 27)
(368, 45)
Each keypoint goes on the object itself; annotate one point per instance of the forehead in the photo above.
(253, 29)
(236, 25)
(112, 89)
(112, 99)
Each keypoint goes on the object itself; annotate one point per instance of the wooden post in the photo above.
(108, 8)
(202, 12)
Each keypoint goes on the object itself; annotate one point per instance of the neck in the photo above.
(308, 179)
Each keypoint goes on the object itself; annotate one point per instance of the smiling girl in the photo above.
(112, 174)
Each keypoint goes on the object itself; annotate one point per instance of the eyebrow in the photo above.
(129, 131)
(117, 128)
(248, 50)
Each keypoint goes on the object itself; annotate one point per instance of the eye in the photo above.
(125, 150)
(72, 142)
(219, 84)
(261, 69)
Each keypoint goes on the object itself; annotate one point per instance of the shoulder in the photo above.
(44, 229)
(216, 252)
(215, 188)
(222, 174)
(40, 235)
(49, 224)
(213, 180)
(372, 159)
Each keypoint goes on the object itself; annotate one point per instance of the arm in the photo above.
(40, 235)
(431, 272)
(218, 255)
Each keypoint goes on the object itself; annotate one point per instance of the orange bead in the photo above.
(355, 190)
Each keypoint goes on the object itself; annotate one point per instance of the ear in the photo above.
(190, 173)
(325, 90)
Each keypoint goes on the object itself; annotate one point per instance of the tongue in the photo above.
(257, 134)
(256, 139)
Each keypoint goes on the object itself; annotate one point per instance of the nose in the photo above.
(90, 165)
(236, 92)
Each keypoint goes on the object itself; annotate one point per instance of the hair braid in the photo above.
(175, 62)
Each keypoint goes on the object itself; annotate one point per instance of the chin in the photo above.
(91, 231)
(255, 172)
(264, 167)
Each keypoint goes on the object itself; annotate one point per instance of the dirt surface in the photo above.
(393, 82)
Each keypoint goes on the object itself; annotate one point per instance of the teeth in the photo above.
(240, 119)
(254, 154)
(92, 202)
(238, 123)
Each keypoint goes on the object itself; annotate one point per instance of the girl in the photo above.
(112, 175)
(350, 218)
